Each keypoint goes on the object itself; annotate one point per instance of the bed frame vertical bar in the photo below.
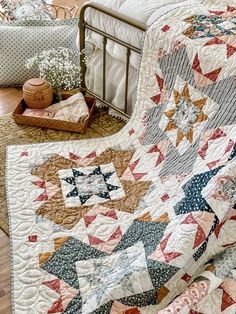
(82, 48)
(104, 67)
(127, 79)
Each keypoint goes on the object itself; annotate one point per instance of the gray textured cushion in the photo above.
(21, 40)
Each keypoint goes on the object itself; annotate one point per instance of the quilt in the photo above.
(132, 223)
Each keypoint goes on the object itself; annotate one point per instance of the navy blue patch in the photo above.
(75, 306)
(62, 263)
(104, 309)
(70, 180)
(141, 299)
(233, 154)
(84, 198)
(96, 171)
(193, 200)
(73, 193)
(77, 173)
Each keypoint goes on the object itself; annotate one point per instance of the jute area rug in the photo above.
(102, 125)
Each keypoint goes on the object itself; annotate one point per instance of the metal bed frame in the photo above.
(83, 26)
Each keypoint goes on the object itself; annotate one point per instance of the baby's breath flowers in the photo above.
(60, 67)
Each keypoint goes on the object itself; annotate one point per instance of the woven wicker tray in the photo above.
(78, 127)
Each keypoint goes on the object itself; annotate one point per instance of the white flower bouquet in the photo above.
(60, 67)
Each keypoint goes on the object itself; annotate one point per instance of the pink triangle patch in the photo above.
(230, 9)
(212, 164)
(133, 165)
(160, 159)
(163, 243)
(230, 50)
(67, 293)
(117, 234)
(189, 220)
(218, 228)
(216, 12)
(56, 307)
(227, 301)
(154, 149)
(196, 65)
(201, 80)
(42, 197)
(199, 237)
(204, 220)
(202, 152)
(92, 155)
(53, 285)
(94, 240)
(217, 134)
(72, 156)
(160, 82)
(127, 175)
(156, 99)
(213, 75)
(88, 220)
(138, 176)
(215, 41)
(170, 256)
(51, 189)
(229, 147)
(40, 184)
(110, 213)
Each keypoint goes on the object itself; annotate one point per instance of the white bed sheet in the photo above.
(115, 82)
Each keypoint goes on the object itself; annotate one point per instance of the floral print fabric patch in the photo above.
(26, 9)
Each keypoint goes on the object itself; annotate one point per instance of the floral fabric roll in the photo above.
(26, 9)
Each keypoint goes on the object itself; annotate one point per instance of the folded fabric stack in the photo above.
(73, 109)
(38, 113)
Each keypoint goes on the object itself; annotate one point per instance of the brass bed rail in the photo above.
(83, 26)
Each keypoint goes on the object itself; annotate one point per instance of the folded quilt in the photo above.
(73, 109)
(127, 223)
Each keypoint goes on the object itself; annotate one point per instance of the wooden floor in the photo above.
(5, 275)
(9, 98)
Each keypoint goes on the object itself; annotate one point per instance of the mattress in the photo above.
(115, 81)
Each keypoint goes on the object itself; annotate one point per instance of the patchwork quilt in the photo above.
(132, 223)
